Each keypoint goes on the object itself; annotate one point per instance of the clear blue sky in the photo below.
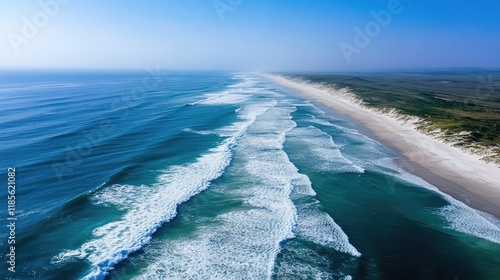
(271, 35)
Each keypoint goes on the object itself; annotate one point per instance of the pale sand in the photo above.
(465, 176)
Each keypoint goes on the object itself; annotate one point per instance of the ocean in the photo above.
(211, 175)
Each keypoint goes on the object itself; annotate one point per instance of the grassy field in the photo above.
(454, 102)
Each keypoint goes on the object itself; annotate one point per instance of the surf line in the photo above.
(11, 219)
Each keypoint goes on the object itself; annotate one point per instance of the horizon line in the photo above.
(386, 70)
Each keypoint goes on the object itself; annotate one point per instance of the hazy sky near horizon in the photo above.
(279, 35)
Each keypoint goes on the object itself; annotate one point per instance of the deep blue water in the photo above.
(215, 176)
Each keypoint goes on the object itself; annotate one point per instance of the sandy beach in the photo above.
(463, 176)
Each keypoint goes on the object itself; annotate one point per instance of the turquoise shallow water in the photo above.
(216, 176)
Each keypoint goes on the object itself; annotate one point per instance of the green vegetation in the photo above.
(453, 102)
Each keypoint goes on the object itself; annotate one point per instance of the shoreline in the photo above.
(463, 176)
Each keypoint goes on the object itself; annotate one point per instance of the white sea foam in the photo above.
(299, 262)
(302, 187)
(315, 225)
(229, 98)
(123, 197)
(470, 221)
(303, 263)
(323, 150)
(244, 243)
(202, 132)
(461, 218)
(320, 228)
(224, 97)
(148, 210)
(234, 94)
(321, 122)
(240, 246)
(362, 151)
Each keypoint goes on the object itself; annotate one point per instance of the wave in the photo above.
(463, 219)
(370, 155)
(227, 97)
(240, 244)
(459, 216)
(323, 150)
(315, 225)
(202, 132)
(210, 97)
(244, 243)
(148, 207)
(297, 261)
(236, 93)
(297, 258)
(319, 228)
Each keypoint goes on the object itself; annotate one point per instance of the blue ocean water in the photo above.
(182, 175)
